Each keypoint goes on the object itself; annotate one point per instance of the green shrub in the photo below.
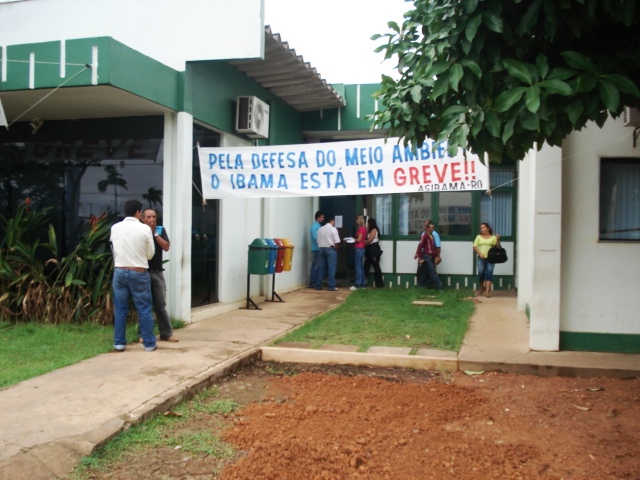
(39, 286)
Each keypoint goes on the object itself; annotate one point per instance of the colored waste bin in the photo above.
(259, 251)
(280, 256)
(288, 254)
(273, 255)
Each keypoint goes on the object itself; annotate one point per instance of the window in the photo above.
(620, 199)
(455, 214)
(383, 213)
(497, 209)
(413, 210)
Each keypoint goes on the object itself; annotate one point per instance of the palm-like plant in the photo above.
(153, 196)
(114, 177)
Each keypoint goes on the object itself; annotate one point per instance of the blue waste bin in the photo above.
(273, 254)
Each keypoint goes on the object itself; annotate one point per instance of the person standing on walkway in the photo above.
(481, 245)
(427, 251)
(328, 241)
(133, 247)
(158, 284)
(314, 281)
(423, 278)
(361, 236)
(373, 252)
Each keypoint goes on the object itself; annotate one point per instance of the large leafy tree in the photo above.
(503, 76)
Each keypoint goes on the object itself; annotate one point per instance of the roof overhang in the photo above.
(289, 77)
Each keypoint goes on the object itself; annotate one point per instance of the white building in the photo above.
(135, 86)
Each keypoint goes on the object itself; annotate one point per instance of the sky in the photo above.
(334, 35)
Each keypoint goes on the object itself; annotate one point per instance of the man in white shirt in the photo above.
(133, 247)
(328, 240)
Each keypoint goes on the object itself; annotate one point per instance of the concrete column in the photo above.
(178, 157)
(524, 245)
(547, 207)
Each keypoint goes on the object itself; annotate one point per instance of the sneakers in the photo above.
(334, 289)
(353, 288)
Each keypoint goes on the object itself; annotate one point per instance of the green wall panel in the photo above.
(212, 89)
(599, 342)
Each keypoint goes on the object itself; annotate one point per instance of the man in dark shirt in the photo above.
(158, 285)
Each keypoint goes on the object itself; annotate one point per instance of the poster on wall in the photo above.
(359, 167)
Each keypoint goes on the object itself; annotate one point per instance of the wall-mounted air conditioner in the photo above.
(252, 117)
(631, 117)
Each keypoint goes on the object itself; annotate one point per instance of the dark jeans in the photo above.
(158, 293)
(316, 259)
(429, 273)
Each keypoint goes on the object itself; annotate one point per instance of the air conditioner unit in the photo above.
(252, 117)
(631, 117)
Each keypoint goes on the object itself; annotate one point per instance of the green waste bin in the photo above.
(259, 257)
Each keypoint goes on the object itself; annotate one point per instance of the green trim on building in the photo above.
(449, 282)
(600, 342)
(118, 66)
(212, 89)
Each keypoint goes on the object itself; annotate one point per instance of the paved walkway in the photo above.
(48, 423)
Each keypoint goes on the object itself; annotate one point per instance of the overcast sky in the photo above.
(334, 35)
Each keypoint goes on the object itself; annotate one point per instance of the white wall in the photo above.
(600, 280)
(242, 221)
(169, 31)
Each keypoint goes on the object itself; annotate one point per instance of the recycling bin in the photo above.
(259, 256)
(288, 254)
(273, 255)
(280, 256)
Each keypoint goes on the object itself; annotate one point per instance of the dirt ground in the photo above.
(303, 422)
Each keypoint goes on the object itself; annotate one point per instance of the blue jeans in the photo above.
(328, 263)
(485, 270)
(430, 272)
(316, 280)
(361, 279)
(136, 285)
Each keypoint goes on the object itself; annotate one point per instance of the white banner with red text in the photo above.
(359, 167)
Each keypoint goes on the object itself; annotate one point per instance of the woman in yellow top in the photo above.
(481, 245)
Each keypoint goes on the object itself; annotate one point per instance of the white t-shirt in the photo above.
(328, 236)
(132, 243)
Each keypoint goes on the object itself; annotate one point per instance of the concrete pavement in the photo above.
(48, 423)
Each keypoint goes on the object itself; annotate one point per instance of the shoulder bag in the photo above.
(497, 255)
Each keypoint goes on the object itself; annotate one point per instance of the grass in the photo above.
(384, 317)
(164, 431)
(387, 317)
(31, 349)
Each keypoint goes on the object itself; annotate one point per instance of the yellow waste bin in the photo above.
(288, 254)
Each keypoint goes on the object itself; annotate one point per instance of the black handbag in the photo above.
(497, 255)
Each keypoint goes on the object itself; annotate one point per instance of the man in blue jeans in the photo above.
(328, 240)
(132, 245)
(314, 281)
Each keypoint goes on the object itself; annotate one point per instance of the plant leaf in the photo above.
(508, 99)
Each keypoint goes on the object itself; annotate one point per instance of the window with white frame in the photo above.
(496, 207)
(620, 199)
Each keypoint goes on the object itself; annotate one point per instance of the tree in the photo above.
(503, 76)
(114, 177)
(153, 196)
